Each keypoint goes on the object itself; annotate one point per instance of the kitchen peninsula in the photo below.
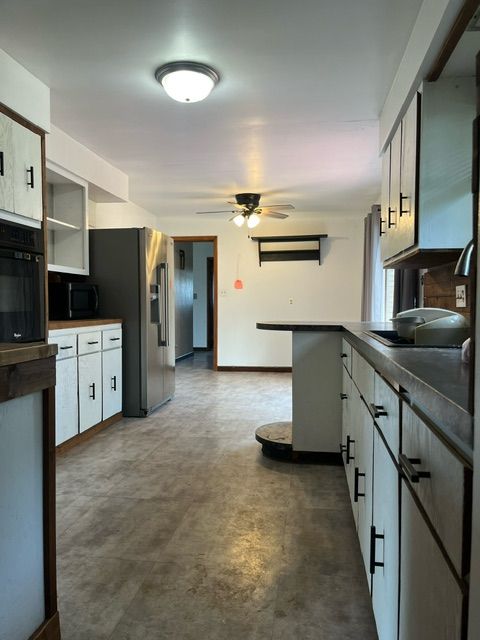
(402, 427)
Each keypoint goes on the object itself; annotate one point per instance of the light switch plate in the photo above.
(461, 295)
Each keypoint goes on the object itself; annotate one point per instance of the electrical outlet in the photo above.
(223, 293)
(461, 295)
(290, 301)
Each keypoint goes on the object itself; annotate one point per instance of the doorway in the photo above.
(196, 298)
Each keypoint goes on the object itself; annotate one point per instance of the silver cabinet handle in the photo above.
(407, 466)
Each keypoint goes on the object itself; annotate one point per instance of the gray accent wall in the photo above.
(183, 300)
(201, 251)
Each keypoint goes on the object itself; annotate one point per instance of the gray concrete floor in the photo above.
(176, 527)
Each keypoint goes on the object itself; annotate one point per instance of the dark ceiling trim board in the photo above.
(456, 32)
(261, 369)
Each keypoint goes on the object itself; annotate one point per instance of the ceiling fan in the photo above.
(248, 209)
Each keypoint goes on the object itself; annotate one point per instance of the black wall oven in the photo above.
(22, 284)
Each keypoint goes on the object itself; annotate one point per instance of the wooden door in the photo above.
(27, 172)
(112, 382)
(430, 598)
(6, 164)
(66, 400)
(386, 549)
(90, 390)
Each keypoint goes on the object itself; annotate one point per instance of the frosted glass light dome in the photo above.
(187, 81)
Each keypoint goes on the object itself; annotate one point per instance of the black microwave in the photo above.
(72, 300)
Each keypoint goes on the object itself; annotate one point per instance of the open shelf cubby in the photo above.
(281, 255)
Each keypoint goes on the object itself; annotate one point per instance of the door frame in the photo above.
(212, 239)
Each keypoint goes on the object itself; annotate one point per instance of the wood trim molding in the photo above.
(259, 369)
(21, 120)
(89, 433)
(456, 32)
(26, 377)
(213, 239)
(49, 630)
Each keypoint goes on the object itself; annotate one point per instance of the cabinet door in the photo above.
(352, 446)
(408, 176)
(6, 164)
(66, 400)
(112, 382)
(385, 203)
(393, 221)
(386, 523)
(363, 482)
(430, 598)
(27, 172)
(90, 390)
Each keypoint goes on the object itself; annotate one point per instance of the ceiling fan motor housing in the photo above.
(249, 200)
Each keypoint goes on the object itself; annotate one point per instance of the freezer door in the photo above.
(152, 251)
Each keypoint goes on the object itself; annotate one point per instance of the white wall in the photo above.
(331, 291)
(125, 214)
(23, 92)
(106, 183)
(201, 251)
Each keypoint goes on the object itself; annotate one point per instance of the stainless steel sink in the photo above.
(392, 339)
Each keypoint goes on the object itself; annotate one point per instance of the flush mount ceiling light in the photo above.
(187, 81)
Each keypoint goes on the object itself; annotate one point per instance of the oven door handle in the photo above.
(19, 255)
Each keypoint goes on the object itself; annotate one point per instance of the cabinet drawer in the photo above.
(363, 375)
(346, 355)
(67, 345)
(111, 339)
(387, 413)
(442, 493)
(89, 342)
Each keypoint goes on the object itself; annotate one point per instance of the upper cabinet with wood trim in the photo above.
(20, 172)
(428, 210)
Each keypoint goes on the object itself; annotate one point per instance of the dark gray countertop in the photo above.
(436, 379)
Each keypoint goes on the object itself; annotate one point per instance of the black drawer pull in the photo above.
(349, 457)
(92, 387)
(407, 466)
(113, 339)
(93, 342)
(378, 411)
(390, 223)
(374, 536)
(343, 396)
(382, 233)
(356, 493)
(343, 448)
(343, 355)
(402, 198)
(63, 348)
(114, 383)
(31, 180)
(2, 164)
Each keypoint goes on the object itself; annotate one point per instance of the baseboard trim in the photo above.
(49, 630)
(185, 355)
(89, 433)
(260, 369)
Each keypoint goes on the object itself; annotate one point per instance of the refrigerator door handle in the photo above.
(163, 329)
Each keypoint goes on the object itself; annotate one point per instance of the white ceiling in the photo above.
(294, 116)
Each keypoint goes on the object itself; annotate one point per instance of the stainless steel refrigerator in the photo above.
(134, 272)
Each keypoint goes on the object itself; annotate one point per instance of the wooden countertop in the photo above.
(72, 324)
(26, 352)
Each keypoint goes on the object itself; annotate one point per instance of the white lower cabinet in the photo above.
(66, 400)
(89, 377)
(390, 455)
(430, 598)
(112, 382)
(385, 541)
(89, 390)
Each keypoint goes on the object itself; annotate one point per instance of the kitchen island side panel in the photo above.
(316, 388)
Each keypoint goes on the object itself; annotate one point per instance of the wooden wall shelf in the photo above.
(282, 255)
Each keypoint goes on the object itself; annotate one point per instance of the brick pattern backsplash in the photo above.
(439, 289)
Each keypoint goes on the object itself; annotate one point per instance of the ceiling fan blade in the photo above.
(278, 206)
(275, 214)
(236, 205)
(224, 211)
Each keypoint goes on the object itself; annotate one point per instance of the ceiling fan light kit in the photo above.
(251, 211)
(187, 81)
